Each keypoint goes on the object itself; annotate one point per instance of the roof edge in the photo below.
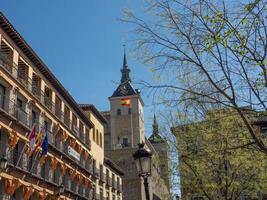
(92, 108)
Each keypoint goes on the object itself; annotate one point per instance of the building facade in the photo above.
(34, 103)
(123, 131)
(109, 182)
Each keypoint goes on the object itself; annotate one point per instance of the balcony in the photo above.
(5, 61)
(58, 113)
(22, 116)
(67, 120)
(36, 91)
(76, 130)
(47, 101)
(10, 108)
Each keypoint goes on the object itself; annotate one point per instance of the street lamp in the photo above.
(3, 163)
(143, 159)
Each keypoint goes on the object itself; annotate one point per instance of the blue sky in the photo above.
(81, 41)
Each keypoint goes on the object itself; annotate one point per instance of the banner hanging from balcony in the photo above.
(42, 195)
(64, 135)
(126, 102)
(63, 168)
(11, 185)
(13, 139)
(54, 162)
(27, 192)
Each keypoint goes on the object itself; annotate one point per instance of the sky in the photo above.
(81, 41)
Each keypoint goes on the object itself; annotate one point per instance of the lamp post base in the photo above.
(146, 188)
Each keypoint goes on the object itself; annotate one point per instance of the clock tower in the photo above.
(126, 119)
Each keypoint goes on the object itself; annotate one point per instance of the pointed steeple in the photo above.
(125, 71)
(155, 126)
(155, 136)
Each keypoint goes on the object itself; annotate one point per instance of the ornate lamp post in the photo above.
(3, 163)
(143, 159)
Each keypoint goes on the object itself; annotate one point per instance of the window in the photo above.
(21, 114)
(34, 119)
(6, 55)
(125, 142)
(74, 124)
(58, 107)
(23, 71)
(107, 195)
(48, 97)
(113, 180)
(36, 85)
(66, 181)
(101, 172)
(107, 176)
(66, 115)
(87, 136)
(81, 126)
(94, 166)
(118, 183)
(100, 142)
(16, 154)
(97, 136)
(2, 96)
(119, 112)
(101, 194)
(94, 134)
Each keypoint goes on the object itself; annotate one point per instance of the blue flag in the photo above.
(44, 146)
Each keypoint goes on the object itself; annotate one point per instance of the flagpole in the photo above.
(34, 161)
(21, 154)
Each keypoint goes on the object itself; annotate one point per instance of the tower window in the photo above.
(129, 111)
(119, 112)
(125, 142)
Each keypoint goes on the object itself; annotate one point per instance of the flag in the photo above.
(32, 138)
(125, 101)
(39, 138)
(44, 146)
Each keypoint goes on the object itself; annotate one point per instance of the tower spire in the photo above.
(155, 126)
(124, 57)
(125, 71)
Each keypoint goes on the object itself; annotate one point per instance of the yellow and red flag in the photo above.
(126, 102)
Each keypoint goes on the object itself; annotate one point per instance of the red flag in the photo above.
(32, 138)
(125, 101)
